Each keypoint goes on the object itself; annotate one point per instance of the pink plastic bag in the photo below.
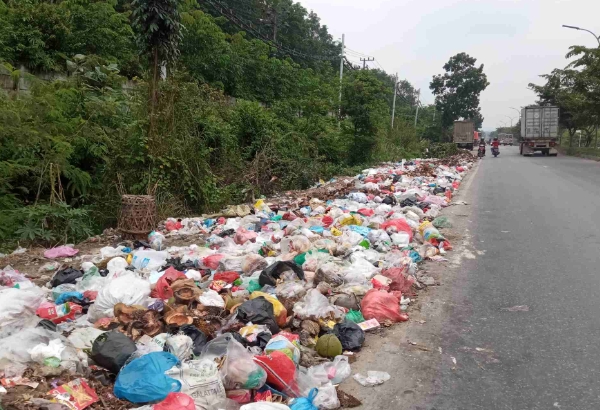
(400, 281)
(381, 305)
(176, 401)
(163, 289)
(212, 261)
(242, 235)
(400, 225)
(60, 252)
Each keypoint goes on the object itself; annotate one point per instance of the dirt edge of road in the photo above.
(411, 352)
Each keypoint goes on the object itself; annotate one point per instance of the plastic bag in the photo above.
(156, 240)
(176, 401)
(327, 398)
(162, 288)
(252, 263)
(144, 380)
(258, 311)
(111, 350)
(240, 371)
(149, 259)
(128, 289)
(282, 344)
(281, 372)
(373, 378)
(360, 271)
(305, 403)
(397, 225)
(350, 334)
(273, 272)
(211, 298)
(200, 379)
(400, 281)
(429, 232)
(43, 352)
(242, 235)
(180, 346)
(84, 337)
(279, 310)
(380, 305)
(212, 262)
(290, 290)
(199, 339)
(66, 276)
(18, 307)
(60, 252)
(341, 369)
(441, 222)
(314, 306)
(328, 273)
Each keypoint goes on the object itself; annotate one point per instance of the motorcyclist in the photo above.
(495, 143)
(482, 147)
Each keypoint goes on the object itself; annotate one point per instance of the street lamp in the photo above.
(513, 108)
(583, 29)
(511, 120)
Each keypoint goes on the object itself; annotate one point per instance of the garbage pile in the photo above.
(264, 311)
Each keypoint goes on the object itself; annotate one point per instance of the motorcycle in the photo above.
(481, 152)
(495, 151)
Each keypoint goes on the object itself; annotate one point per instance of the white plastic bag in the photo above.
(314, 305)
(128, 289)
(83, 337)
(17, 308)
(180, 346)
(327, 397)
(44, 351)
(240, 371)
(264, 405)
(373, 378)
(149, 259)
(211, 298)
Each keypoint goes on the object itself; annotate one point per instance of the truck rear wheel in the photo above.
(470, 147)
(520, 149)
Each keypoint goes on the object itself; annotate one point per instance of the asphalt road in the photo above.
(524, 319)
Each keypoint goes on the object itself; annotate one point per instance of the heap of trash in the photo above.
(265, 308)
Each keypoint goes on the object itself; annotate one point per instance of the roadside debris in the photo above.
(261, 306)
(518, 308)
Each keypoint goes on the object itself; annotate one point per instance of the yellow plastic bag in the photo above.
(336, 232)
(278, 308)
(351, 220)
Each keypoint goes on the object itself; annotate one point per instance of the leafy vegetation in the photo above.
(234, 119)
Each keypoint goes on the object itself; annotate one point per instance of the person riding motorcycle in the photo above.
(495, 146)
(481, 151)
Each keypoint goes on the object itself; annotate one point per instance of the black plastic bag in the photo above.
(227, 232)
(197, 336)
(408, 202)
(350, 334)
(176, 263)
(47, 324)
(389, 200)
(261, 340)
(260, 312)
(271, 273)
(66, 275)
(111, 350)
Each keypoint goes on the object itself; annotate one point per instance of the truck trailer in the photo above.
(539, 130)
(464, 133)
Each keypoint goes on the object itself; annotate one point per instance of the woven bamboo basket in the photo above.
(138, 216)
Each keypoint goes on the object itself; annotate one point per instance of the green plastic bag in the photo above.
(442, 222)
(365, 244)
(253, 286)
(355, 316)
(300, 259)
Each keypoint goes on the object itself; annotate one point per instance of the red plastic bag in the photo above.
(400, 281)
(228, 277)
(366, 212)
(163, 289)
(173, 225)
(212, 261)
(58, 313)
(327, 221)
(400, 225)
(381, 305)
(281, 371)
(242, 235)
(176, 401)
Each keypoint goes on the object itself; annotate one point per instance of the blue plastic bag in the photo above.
(144, 380)
(305, 403)
(63, 297)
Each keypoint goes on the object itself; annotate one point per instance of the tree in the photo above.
(157, 24)
(457, 90)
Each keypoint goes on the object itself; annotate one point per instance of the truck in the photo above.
(539, 130)
(505, 139)
(464, 133)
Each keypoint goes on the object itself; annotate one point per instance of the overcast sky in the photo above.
(515, 40)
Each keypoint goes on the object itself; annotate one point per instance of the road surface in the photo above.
(525, 327)
(516, 322)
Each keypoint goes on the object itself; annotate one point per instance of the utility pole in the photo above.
(364, 61)
(417, 113)
(341, 78)
(394, 101)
